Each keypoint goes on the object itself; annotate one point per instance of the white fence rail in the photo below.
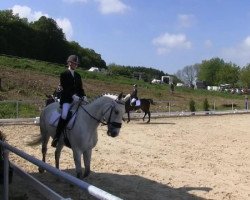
(47, 192)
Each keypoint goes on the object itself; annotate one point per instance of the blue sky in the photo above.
(163, 34)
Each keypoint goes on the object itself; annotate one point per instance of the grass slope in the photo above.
(30, 80)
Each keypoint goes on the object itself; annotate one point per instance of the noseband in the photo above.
(114, 124)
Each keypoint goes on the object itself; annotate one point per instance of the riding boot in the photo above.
(60, 127)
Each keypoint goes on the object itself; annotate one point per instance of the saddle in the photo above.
(136, 103)
(54, 119)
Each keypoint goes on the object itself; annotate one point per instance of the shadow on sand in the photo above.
(150, 123)
(129, 187)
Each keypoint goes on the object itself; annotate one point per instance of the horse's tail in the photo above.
(36, 142)
(151, 101)
(2, 136)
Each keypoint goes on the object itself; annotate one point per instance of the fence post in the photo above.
(6, 174)
(246, 102)
(169, 108)
(17, 108)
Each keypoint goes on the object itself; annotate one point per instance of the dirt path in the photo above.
(206, 157)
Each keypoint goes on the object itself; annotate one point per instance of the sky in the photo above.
(162, 34)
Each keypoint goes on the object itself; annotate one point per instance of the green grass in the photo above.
(17, 110)
(160, 92)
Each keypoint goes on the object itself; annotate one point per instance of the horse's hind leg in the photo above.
(58, 154)
(45, 141)
(77, 159)
(87, 159)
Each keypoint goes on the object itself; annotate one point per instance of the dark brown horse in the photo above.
(55, 97)
(144, 106)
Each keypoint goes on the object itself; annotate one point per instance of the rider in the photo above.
(72, 90)
(133, 95)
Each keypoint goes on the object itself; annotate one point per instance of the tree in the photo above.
(229, 73)
(188, 74)
(51, 40)
(245, 76)
(209, 69)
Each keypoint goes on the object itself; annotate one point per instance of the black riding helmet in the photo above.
(73, 58)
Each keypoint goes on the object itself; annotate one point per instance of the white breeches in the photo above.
(133, 100)
(65, 110)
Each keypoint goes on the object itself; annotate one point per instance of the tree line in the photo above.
(44, 40)
(215, 72)
(41, 40)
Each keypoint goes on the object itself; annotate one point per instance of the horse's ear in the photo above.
(120, 96)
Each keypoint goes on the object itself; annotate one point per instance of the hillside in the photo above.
(32, 83)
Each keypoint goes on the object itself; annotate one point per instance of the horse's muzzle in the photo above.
(113, 129)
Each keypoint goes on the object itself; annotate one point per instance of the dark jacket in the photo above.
(134, 94)
(71, 85)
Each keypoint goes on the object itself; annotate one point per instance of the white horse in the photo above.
(107, 109)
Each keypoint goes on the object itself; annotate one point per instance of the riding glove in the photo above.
(75, 98)
(85, 98)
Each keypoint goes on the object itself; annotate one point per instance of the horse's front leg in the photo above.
(87, 160)
(128, 117)
(149, 116)
(58, 154)
(144, 116)
(44, 152)
(78, 165)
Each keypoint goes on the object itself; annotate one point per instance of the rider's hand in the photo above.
(75, 98)
(85, 98)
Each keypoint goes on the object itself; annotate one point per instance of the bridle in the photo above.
(111, 109)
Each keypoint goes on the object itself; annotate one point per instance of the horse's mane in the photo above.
(112, 96)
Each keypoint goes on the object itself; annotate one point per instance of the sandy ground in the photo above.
(199, 157)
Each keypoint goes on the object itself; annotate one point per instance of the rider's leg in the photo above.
(61, 124)
(132, 103)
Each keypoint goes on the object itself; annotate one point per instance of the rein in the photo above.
(102, 122)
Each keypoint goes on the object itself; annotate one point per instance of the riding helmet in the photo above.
(73, 58)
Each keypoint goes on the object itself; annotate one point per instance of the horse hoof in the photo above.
(79, 175)
(41, 170)
(86, 174)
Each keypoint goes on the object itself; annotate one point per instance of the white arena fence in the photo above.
(40, 187)
(166, 108)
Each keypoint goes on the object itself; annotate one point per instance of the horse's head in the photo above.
(114, 115)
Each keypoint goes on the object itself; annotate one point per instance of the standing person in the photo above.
(133, 95)
(72, 90)
(172, 88)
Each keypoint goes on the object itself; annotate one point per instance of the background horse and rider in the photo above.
(107, 109)
(143, 104)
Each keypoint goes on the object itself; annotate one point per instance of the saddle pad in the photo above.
(54, 118)
(138, 103)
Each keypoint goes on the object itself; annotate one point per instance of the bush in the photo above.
(192, 106)
(206, 105)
